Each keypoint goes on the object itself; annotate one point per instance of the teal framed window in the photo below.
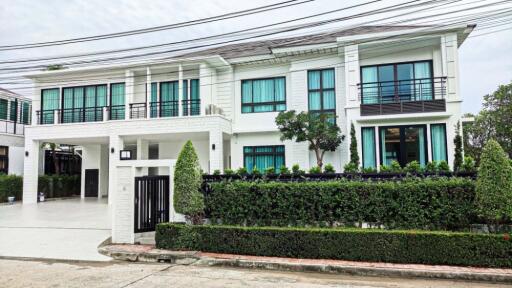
(3, 109)
(25, 113)
(153, 101)
(438, 142)
(83, 103)
(191, 103)
(264, 95)
(13, 110)
(169, 97)
(117, 101)
(49, 103)
(263, 157)
(369, 147)
(403, 144)
(321, 92)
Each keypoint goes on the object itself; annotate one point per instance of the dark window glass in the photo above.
(403, 144)
(321, 92)
(263, 157)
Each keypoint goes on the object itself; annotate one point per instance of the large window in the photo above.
(264, 95)
(403, 144)
(3, 109)
(321, 92)
(4, 159)
(49, 103)
(153, 102)
(13, 110)
(397, 82)
(117, 101)
(25, 113)
(368, 144)
(169, 97)
(84, 103)
(263, 157)
(191, 103)
(438, 136)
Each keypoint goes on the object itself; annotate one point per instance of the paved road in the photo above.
(63, 229)
(16, 274)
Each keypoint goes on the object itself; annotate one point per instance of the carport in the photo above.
(61, 229)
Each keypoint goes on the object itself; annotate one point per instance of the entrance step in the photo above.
(146, 238)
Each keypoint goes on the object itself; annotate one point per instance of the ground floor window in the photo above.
(403, 144)
(263, 157)
(438, 136)
(4, 159)
(369, 144)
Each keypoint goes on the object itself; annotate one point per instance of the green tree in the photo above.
(493, 122)
(354, 156)
(494, 184)
(317, 129)
(188, 199)
(457, 141)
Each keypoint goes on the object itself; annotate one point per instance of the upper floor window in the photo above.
(264, 95)
(191, 103)
(83, 103)
(117, 101)
(25, 113)
(3, 109)
(49, 103)
(397, 82)
(321, 92)
(263, 157)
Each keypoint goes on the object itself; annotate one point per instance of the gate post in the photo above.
(123, 208)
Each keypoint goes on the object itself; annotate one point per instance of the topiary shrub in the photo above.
(228, 172)
(255, 171)
(350, 168)
(216, 172)
(395, 167)
(457, 141)
(242, 171)
(469, 164)
(442, 166)
(413, 167)
(296, 170)
(315, 170)
(354, 156)
(188, 199)
(384, 168)
(494, 184)
(329, 169)
(270, 171)
(283, 170)
(431, 167)
(369, 170)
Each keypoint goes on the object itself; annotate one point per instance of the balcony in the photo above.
(118, 112)
(403, 96)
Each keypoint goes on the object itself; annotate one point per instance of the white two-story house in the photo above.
(15, 111)
(398, 85)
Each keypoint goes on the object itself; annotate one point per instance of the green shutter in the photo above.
(13, 111)
(3, 109)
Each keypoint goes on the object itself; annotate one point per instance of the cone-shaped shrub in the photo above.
(494, 184)
(188, 199)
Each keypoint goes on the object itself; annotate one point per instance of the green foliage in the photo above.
(385, 168)
(228, 172)
(188, 199)
(317, 129)
(283, 170)
(442, 166)
(413, 167)
(11, 185)
(469, 164)
(494, 184)
(270, 171)
(354, 156)
(255, 171)
(369, 170)
(441, 203)
(216, 172)
(350, 168)
(315, 170)
(434, 248)
(457, 141)
(57, 186)
(329, 168)
(395, 167)
(241, 171)
(431, 167)
(297, 171)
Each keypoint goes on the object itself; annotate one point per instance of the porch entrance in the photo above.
(151, 202)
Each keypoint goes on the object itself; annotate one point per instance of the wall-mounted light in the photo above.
(112, 150)
(213, 147)
(125, 155)
(26, 153)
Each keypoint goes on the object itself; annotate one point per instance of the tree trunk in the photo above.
(319, 158)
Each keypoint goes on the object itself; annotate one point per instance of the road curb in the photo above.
(150, 255)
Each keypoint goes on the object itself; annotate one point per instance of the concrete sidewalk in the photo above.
(148, 253)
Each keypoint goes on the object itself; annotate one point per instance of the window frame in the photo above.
(252, 104)
(402, 128)
(362, 146)
(445, 140)
(42, 116)
(109, 104)
(274, 154)
(321, 90)
(6, 159)
(83, 100)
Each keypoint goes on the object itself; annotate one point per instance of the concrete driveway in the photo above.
(62, 229)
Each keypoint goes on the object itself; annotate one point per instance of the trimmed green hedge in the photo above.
(11, 185)
(440, 203)
(54, 186)
(437, 248)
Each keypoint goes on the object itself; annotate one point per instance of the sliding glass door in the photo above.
(403, 144)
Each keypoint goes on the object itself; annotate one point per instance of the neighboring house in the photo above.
(15, 113)
(398, 85)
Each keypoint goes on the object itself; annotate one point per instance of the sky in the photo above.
(484, 61)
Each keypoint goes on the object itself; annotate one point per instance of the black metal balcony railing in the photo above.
(116, 112)
(164, 109)
(403, 96)
(137, 110)
(78, 115)
(45, 117)
(191, 107)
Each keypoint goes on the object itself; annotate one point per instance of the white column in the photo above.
(216, 150)
(30, 170)
(180, 90)
(142, 149)
(204, 87)
(115, 145)
(452, 67)
(129, 91)
(123, 207)
(352, 74)
(149, 92)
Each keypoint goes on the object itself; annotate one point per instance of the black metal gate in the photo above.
(151, 202)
